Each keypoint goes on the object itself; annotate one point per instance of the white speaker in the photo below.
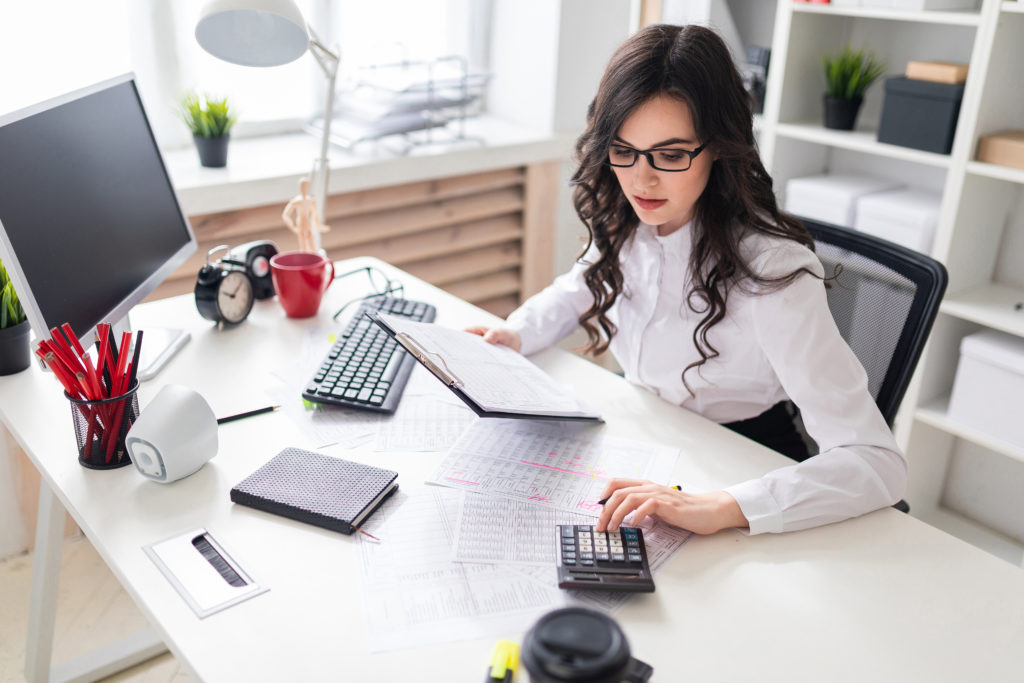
(174, 436)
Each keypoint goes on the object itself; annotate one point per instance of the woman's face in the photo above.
(664, 199)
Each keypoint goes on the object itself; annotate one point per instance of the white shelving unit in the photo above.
(980, 237)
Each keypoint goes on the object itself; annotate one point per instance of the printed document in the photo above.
(555, 464)
(492, 379)
(415, 595)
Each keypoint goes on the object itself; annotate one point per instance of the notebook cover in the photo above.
(316, 489)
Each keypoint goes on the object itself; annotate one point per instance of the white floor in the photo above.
(92, 610)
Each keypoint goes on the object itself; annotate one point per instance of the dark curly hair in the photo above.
(691, 64)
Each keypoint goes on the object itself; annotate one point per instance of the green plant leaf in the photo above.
(206, 116)
(849, 72)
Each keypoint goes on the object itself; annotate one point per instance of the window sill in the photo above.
(266, 170)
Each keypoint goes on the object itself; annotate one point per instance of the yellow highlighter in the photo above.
(503, 662)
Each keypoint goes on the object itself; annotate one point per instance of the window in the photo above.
(86, 42)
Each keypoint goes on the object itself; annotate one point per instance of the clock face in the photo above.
(235, 297)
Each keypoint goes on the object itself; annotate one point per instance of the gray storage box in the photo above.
(920, 114)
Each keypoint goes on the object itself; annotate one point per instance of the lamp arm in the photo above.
(328, 61)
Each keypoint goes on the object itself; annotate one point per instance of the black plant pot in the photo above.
(213, 152)
(15, 354)
(841, 113)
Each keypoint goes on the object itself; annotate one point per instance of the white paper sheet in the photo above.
(556, 464)
(493, 529)
(424, 422)
(414, 594)
(495, 376)
(662, 542)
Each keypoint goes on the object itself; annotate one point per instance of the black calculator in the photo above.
(603, 560)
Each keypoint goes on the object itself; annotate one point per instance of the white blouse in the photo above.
(776, 345)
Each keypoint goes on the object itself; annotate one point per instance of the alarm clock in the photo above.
(256, 257)
(224, 292)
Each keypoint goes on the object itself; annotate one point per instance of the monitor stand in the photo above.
(159, 344)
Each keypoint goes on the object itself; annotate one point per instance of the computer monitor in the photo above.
(89, 220)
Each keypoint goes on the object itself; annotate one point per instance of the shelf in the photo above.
(936, 414)
(991, 305)
(859, 141)
(978, 535)
(1013, 175)
(1013, 6)
(965, 18)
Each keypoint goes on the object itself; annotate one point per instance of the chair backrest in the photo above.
(884, 300)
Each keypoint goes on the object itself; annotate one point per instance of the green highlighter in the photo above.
(503, 662)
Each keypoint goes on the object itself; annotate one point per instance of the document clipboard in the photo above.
(526, 391)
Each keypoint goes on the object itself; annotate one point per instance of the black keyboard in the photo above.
(603, 560)
(366, 368)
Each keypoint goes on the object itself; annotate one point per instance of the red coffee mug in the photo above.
(300, 280)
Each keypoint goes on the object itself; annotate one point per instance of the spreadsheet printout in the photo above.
(414, 593)
(558, 465)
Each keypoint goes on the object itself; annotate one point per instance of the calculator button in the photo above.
(568, 555)
(618, 557)
(587, 563)
(584, 527)
(569, 560)
(615, 544)
(586, 556)
(601, 557)
(568, 532)
(635, 558)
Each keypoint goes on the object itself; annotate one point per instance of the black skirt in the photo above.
(775, 428)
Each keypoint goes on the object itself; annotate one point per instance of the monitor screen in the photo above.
(89, 220)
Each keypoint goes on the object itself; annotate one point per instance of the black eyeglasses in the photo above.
(381, 283)
(661, 159)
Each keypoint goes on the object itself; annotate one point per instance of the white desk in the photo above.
(883, 597)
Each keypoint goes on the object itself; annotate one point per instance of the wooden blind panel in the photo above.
(469, 264)
(440, 242)
(407, 220)
(500, 306)
(369, 201)
(486, 237)
(486, 287)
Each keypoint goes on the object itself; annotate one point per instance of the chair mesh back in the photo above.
(871, 305)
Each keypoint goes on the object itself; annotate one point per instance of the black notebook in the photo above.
(317, 489)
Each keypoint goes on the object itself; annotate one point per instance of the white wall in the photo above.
(547, 59)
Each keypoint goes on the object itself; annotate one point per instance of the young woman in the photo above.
(708, 296)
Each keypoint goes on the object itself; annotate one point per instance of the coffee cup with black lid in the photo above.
(580, 645)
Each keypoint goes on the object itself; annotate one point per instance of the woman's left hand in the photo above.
(701, 513)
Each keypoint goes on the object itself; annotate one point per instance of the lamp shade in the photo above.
(253, 33)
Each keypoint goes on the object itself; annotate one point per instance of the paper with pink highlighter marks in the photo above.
(560, 465)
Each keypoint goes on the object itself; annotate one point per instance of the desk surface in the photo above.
(882, 597)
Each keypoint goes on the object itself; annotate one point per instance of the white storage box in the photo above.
(988, 392)
(933, 4)
(906, 217)
(832, 198)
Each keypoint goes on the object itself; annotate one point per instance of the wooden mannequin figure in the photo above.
(301, 217)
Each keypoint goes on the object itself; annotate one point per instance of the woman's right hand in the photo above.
(498, 335)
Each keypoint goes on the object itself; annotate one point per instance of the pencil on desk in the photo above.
(248, 413)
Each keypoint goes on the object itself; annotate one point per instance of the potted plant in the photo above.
(15, 354)
(848, 73)
(210, 120)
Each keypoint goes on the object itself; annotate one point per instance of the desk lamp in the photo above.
(271, 33)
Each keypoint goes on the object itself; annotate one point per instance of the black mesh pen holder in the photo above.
(101, 426)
